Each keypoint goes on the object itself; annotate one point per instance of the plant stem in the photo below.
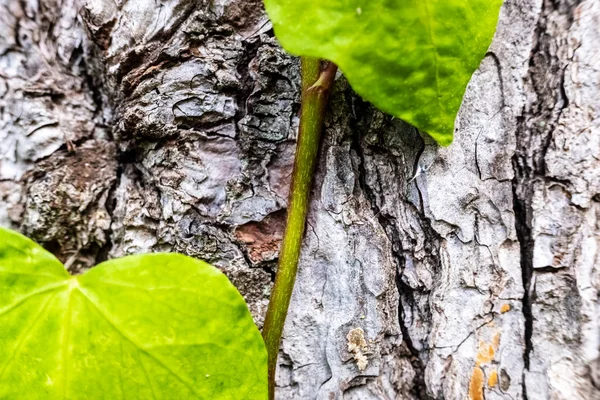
(315, 90)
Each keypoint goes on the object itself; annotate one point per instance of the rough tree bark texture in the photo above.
(169, 125)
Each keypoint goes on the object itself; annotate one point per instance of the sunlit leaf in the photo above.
(161, 326)
(410, 58)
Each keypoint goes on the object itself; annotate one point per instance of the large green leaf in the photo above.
(410, 58)
(160, 326)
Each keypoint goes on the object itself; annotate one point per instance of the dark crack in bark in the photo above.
(372, 191)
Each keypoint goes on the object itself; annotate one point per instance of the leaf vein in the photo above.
(25, 334)
(5, 271)
(141, 362)
(20, 301)
(65, 343)
(179, 289)
(435, 52)
(137, 345)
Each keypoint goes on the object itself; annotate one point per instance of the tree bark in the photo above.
(470, 271)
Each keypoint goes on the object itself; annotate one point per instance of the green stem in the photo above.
(315, 90)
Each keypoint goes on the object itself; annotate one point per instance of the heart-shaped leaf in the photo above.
(410, 58)
(159, 326)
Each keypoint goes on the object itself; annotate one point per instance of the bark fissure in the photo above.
(524, 235)
(546, 185)
(528, 170)
(394, 235)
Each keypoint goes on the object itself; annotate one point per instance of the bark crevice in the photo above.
(370, 183)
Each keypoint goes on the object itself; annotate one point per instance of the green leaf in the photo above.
(160, 326)
(410, 58)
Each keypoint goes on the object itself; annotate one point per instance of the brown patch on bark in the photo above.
(243, 14)
(476, 384)
(262, 239)
(485, 355)
(67, 196)
(493, 379)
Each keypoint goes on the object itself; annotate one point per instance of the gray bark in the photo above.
(142, 126)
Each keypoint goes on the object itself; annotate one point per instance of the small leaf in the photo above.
(159, 326)
(410, 58)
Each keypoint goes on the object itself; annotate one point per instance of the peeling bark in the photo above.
(426, 273)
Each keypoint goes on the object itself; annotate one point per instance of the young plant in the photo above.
(410, 58)
(169, 326)
(155, 326)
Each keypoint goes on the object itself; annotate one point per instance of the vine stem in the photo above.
(316, 85)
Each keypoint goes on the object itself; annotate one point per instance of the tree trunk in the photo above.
(142, 126)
